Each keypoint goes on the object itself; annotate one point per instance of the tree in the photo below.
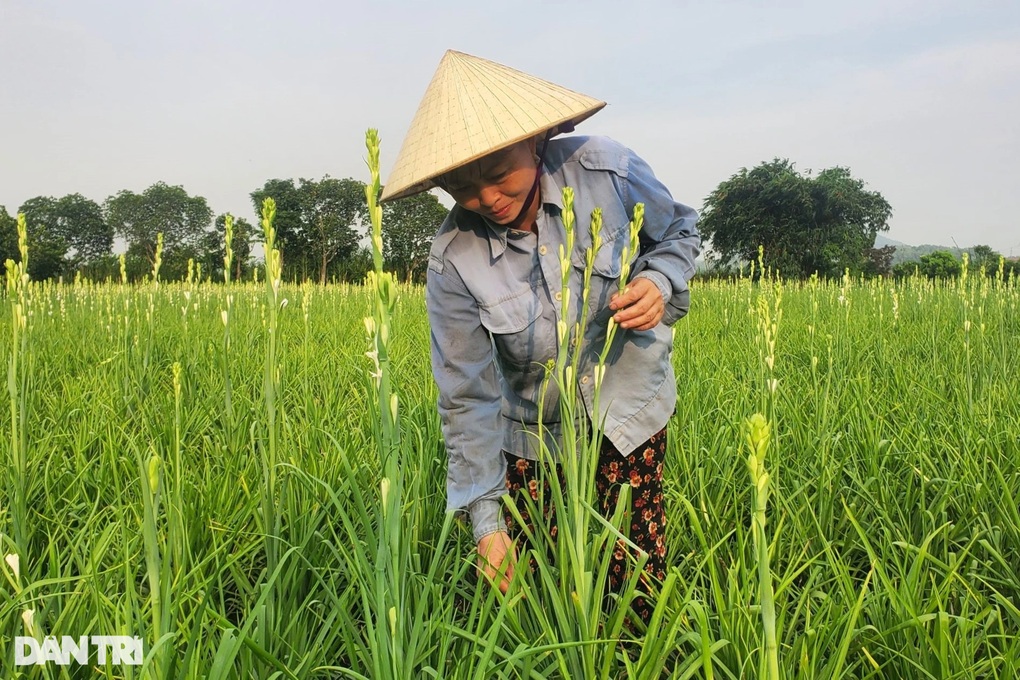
(74, 223)
(81, 224)
(182, 219)
(940, 265)
(316, 222)
(879, 261)
(354, 268)
(102, 268)
(984, 256)
(332, 211)
(8, 237)
(806, 224)
(408, 228)
(46, 247)
(244, 236)
(214, 251)
(291, 238)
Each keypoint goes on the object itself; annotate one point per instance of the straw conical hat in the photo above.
(471, 108)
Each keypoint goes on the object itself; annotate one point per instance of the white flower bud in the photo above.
(14, 562)
(28, 616)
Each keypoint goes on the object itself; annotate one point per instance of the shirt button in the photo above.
(542, 250)
(558, 296)
(584, 380)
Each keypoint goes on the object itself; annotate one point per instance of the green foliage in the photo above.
(319, 227)
(983, 256)
(822, 224)
(138, 218)
(352, 269)
(101, 268)
(212, 250)
(940, 264)
(408, 227)
(318, 223)
(933, 261)
(45, 242)
(65, 234)
(8, 236)
(894, 536)
(291, 236)
(80, 222)
(332, 211)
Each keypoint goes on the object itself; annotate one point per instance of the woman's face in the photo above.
(495, 186)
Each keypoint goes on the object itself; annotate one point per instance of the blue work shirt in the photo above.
(494, 299)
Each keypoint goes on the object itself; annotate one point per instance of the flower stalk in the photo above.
(757, 434)
(271, 390)
(18, 387)
(389, 606)
(228, 258)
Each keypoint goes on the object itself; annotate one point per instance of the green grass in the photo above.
(893, 523)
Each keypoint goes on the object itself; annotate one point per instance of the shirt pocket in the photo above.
(511, 321)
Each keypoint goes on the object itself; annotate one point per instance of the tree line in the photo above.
(797, 223)
(943, 264)
(320, 228)
(807, 223)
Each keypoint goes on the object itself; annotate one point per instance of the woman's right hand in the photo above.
(496, 559)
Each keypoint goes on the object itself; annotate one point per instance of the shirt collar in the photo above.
(497, 238)
(552, 190)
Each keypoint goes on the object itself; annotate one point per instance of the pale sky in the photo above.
(919, 98)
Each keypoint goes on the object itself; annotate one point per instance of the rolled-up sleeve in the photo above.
(669, 238)
(469, 401)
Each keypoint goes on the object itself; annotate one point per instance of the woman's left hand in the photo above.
(640, 307)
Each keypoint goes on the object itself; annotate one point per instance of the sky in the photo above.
(920, 99)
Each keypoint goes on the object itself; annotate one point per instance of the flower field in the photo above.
(240, 476)
(142, 502)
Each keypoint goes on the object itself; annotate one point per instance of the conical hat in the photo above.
(471, 108)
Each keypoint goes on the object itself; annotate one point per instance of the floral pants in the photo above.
(646, 518)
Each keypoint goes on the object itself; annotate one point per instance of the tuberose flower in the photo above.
(14, 562)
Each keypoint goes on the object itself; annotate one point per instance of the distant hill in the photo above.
(908, 253)
(904, 252)
(882, 241)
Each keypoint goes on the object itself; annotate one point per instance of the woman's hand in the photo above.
(640, 307)
(496, 559)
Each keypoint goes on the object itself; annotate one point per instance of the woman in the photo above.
(483, 133)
